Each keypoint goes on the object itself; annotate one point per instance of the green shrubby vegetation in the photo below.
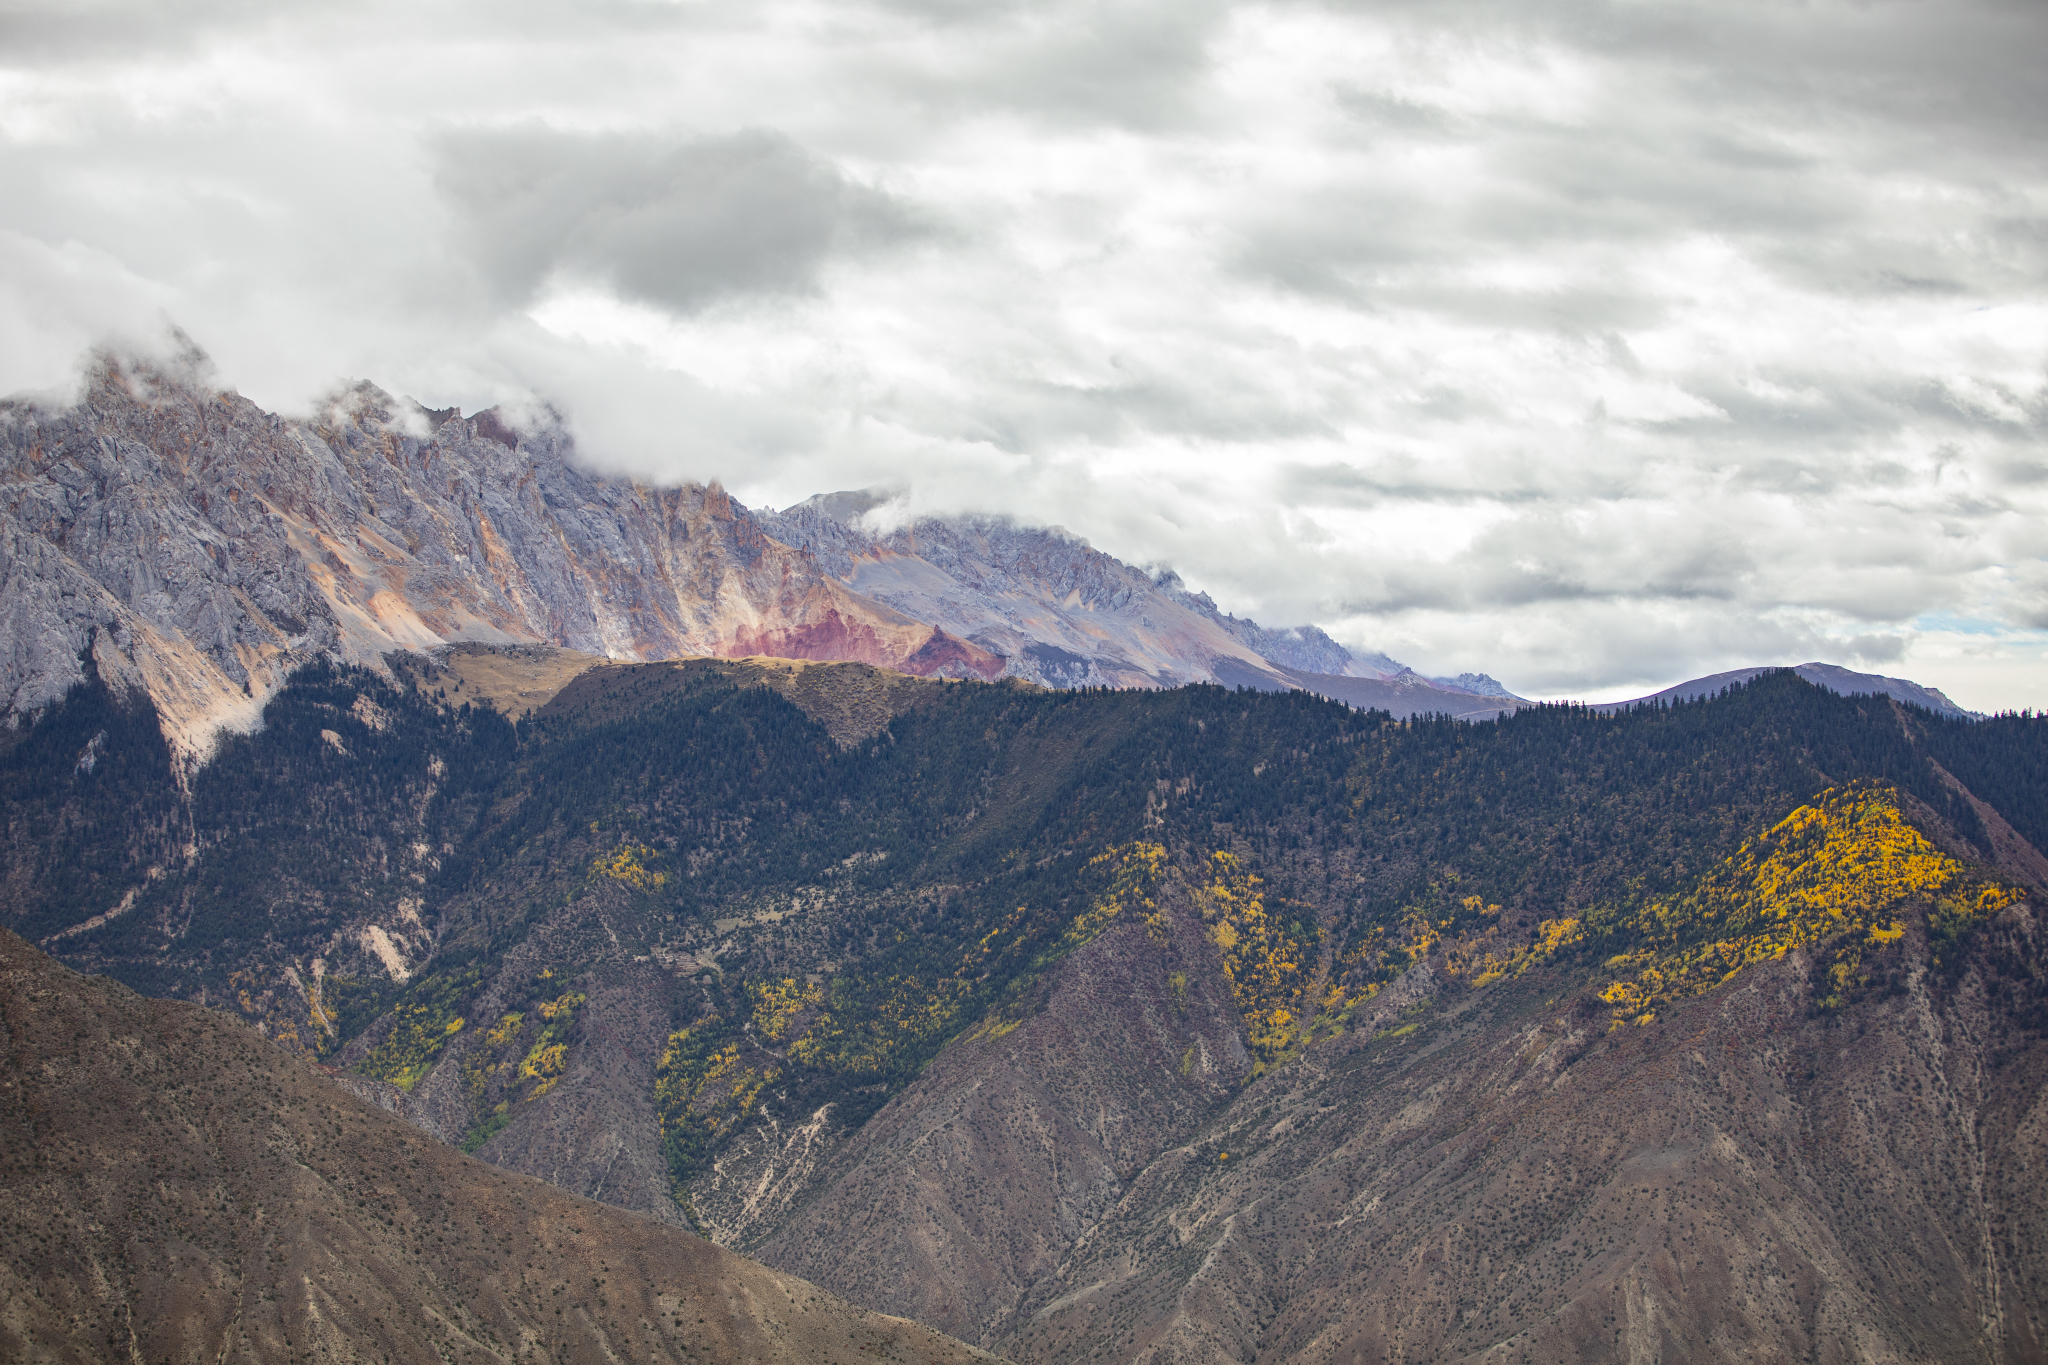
(519, 1057)
(420, 1025)
(703, 1092)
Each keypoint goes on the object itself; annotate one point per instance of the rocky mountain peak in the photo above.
(1478, 684)
(185, 538)
(216, 547)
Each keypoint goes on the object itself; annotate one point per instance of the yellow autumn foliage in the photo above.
(735, 1088)
(1553, 936)
(909, 1011)
(778, 1003)
(1134, 885)
(702, 1096)
(548, 1059)
(1836, 875)
(552, 1009)
(1261, 960)
(628, 863)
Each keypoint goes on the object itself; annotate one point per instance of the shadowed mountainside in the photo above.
(176, 1189)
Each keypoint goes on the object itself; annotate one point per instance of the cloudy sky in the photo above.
(1593, 344)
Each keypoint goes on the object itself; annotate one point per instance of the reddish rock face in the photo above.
(832, 638)
(842, 638)
(835, 635)
(947, 656)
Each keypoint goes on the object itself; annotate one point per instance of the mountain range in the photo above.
(498, 882)
(200, 549)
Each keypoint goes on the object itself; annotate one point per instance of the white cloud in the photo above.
(1595, 345)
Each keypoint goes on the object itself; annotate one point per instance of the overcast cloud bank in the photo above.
(1593, 345)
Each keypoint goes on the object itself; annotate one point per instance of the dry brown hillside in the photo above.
(174, 1188)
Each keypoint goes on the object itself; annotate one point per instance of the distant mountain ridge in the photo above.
(1841, 681)
(1403, 694)
(1067, 615)
(198, 550)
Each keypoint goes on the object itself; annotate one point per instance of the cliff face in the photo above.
(200, 549)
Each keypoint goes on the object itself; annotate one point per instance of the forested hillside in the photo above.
(693, 940)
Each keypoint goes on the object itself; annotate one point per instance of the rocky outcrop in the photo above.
(198, 549)
(1065, 614)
